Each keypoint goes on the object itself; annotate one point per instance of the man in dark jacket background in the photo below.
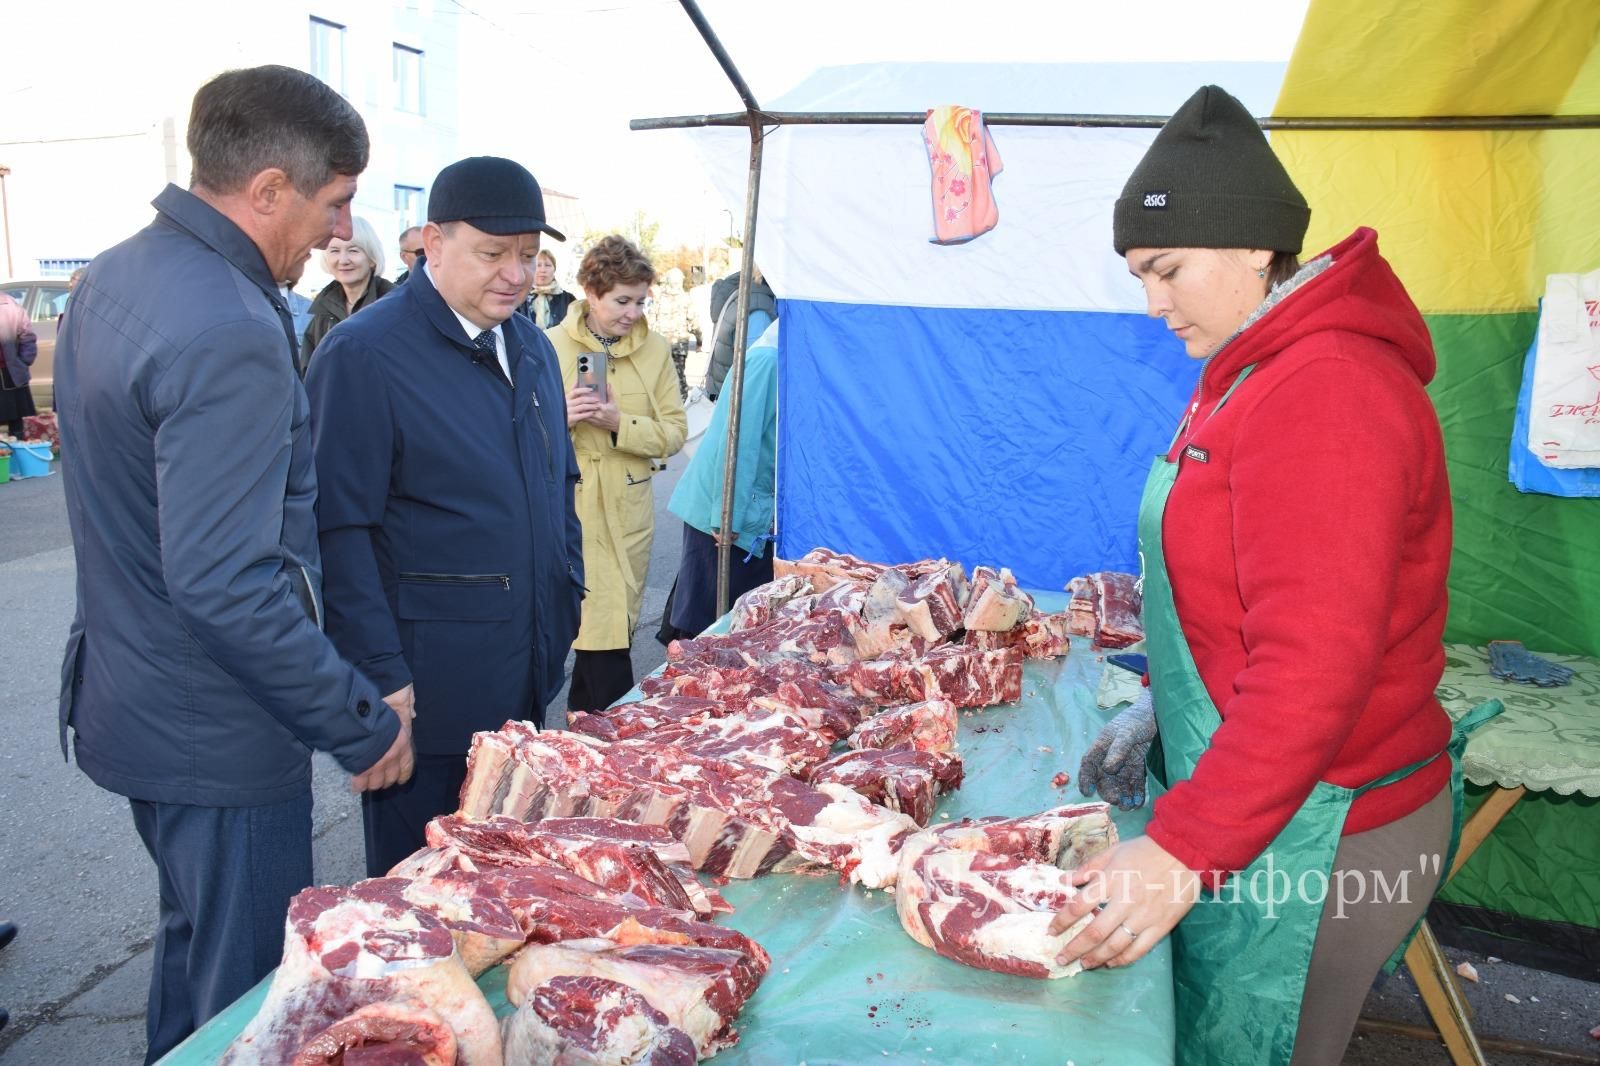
(450, 542)
(196, 680)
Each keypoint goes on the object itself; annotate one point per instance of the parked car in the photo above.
(43, 299)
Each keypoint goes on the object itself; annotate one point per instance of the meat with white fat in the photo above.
(342, 953)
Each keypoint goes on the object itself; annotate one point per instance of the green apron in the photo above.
(1241, 955)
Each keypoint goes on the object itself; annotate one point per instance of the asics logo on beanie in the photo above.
(1156, 200)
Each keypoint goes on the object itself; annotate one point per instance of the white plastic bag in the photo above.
(1564, 414)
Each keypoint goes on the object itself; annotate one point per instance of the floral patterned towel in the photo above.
(964, 160)
(1548, 738)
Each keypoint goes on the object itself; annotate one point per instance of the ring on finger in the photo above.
(1131, 934)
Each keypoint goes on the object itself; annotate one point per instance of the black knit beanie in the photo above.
(1210, 180)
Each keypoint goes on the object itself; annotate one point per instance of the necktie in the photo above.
(484, 342)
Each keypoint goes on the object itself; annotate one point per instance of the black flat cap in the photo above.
(495, 195)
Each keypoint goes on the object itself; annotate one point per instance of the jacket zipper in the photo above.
(459, 579)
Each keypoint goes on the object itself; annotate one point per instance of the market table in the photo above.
(1546, 739)
(848, 986)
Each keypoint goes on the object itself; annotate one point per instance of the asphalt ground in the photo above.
(75, 878)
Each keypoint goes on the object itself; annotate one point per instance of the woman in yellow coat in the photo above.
(621, 439)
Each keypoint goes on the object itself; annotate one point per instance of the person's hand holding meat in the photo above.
(1142, 892)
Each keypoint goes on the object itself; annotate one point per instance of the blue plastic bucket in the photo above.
(30, 458)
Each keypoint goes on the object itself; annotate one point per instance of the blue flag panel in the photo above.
(1009, 438)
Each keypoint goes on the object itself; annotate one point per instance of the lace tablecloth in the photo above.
(1547, 738)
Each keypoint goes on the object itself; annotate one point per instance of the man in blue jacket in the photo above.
(197, 680)
(451, 546)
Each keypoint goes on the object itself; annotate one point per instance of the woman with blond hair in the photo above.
(548, 302)
(622, 433)
(358, 281)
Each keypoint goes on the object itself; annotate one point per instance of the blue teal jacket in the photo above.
(452, 554)
(698, 497)
(194, 671)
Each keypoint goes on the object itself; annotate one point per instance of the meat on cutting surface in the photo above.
(1106, 605)
(623, 865)
(983, 892)
(343, 952)
(699, 990)
(971, 677)
(551, 904)
(1121, 623)
(400, 1033)
(996, 603)
(484, 927)
(901, 778)
(929, 726)
(758, 605)
(931, 606)
(592, 1021)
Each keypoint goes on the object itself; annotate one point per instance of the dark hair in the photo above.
(611, 262)
(1284, 266)
(247, 121)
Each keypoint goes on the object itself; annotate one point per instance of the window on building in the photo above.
(408, 79)
(408, 205)
(327, 52)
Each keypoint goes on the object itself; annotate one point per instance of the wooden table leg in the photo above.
(1482, 823)
(1436, 981)
(1442, 996)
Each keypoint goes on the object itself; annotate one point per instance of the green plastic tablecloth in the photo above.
(848, 986)
(1548, 739)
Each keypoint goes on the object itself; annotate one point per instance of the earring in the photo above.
(1261, 273)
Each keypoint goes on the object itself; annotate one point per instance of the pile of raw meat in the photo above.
(576, 854)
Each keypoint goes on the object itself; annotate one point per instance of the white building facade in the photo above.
(95, 115)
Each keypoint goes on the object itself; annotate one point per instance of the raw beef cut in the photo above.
(630, 719)
(904, 778)
(552, 904)
(756, 607)
(832, 826)
(928, 726)
(343, 953)
(1083, 617)
(483, 925)
(620, 865)
(970, 677)
(1106, 605)
(592, 1021)
(931, 605)
(1119, 604)
(382, 1033)
(825, 568)
(983, 892)
(996, 603)
(700, 990)
(1047, 636)
(768, 737)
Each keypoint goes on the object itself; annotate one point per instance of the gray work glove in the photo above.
(1114, 764)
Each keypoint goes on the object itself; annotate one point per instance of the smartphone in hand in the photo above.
(592, 372)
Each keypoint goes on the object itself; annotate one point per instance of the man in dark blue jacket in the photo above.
(197, 681)
(450, 542)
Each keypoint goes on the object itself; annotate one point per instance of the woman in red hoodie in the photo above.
(1296, 541)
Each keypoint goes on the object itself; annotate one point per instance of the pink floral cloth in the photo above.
(964, 161)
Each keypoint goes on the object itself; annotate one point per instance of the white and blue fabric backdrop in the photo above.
(995, 402)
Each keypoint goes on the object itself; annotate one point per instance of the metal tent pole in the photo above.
(1089, 121)
(753, 119)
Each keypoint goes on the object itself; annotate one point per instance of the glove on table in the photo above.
(1114, 764)
(1510, 661)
